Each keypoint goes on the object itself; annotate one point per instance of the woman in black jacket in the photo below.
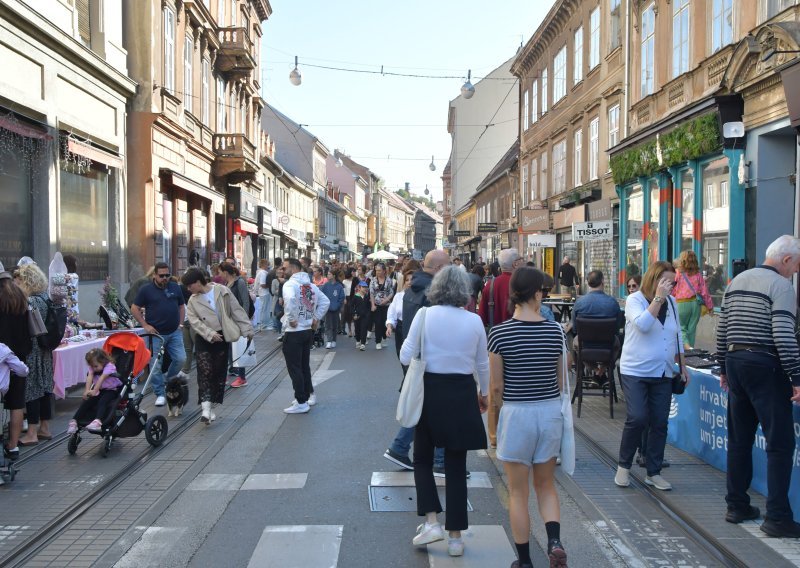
(15, 334)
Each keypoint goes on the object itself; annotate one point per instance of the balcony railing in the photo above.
(236, 51)
(236, 155)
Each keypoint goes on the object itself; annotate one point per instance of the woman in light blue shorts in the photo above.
(525, 363)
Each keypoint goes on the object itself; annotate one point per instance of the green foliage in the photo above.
(689, 141)
(416, 198)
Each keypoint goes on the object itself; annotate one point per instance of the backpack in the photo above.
(56, 323)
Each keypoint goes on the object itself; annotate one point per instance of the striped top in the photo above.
(530, 352)
(759, 308)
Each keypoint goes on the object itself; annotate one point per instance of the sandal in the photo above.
(25, 444)
(44, 436)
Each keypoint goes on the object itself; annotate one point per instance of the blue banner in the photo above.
(698, 424)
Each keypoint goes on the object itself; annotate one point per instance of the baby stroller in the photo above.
(319, 334)
(131, 356)
(7, 471)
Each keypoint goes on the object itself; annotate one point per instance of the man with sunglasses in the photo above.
(164, 310)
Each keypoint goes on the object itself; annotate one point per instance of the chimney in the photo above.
(408, 186)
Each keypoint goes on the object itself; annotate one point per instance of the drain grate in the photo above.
(400, 499)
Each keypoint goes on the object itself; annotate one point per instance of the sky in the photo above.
(392, 125)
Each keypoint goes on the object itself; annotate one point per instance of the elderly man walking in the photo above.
(494, 309)
(760, 362)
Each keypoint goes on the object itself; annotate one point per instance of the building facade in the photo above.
(63, 153)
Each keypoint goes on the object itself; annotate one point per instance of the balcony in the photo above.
(236, 55)
(236, 157)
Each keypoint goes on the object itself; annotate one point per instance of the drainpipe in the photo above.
(626, 80)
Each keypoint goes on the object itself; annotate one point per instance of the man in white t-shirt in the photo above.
(263, 293)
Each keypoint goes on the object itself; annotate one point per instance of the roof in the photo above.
(506, 163)
(357, 168)
(398, 202)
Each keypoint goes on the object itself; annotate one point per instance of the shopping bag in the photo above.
(568, 433)
(412, 393)
(243, 352)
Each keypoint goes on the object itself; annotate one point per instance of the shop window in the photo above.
(716, 227)
(653, 233)
(16, 218)
(687, 209)
(84, 218)
(634, 251)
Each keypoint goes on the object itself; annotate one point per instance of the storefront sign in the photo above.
(542, 241)
(568, 217)
(593, 231)
(548, 261)
(505, 241)
(462, 234)
(600, 210)
(534, 220)
(487, 227)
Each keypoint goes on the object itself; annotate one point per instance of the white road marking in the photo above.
(476, 480)
(155, 543)
(259, 481)
(787, 547)
(217, 482)
(324, 372)
(298, 546)
(484, 545)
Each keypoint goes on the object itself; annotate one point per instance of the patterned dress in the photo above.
(40, 361)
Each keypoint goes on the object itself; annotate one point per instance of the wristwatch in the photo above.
(658, 299)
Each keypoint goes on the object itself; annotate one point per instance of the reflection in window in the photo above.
(687, 212)
(722, 24)
(84, 220)
(635, 232)
(716, 226)
(16, 218)
(652, 235)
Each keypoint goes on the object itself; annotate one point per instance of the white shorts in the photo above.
(529, 432)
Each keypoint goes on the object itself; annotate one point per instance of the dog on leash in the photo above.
(177, 395)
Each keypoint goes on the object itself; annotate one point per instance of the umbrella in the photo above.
(382, 255)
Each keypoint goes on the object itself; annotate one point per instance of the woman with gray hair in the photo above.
(454, 343)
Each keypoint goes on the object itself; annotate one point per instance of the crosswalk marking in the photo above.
(485, 545)
(298, 546)
(476, 480)
(216, 482)
(259, 481)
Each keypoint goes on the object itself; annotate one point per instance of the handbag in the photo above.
(243, 353)
(678, 384)
(568, 431)
(697, 297)
(412, 393)
(36, 326)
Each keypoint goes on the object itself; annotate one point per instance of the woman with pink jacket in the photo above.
(692, 295)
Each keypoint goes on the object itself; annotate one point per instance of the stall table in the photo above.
(564, 307)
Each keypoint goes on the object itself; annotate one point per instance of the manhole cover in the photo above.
(400, 499)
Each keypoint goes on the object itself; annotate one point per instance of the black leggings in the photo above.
(98, 407)
(379, 319)
(361, 329)
(40, 409)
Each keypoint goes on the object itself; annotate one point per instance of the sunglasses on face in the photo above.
(632, 286)
(164, 276)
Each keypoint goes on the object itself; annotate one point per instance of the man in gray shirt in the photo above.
(760, 363)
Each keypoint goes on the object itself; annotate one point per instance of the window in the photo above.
(680, 37)
(716, 224)
(544, 90)
(84, 22)
(615, 33)
(205, 94)
(594, 147)
(222, 123)
(773, 7)
(232, 124)
(634, 256)
(647, 55)
(524, 185)
(594, 38)
(525, 109)
(169, 50)
(535, 101)
(559, 167)
(188, 52)
(16, 206)
(721, 24)
(543, 176)
(534, 179)
(233, 13)
(577, 62)
(577, 164)
(613, 126)
(560, 75)
(84, 219)
(655, 215)
(220, 13)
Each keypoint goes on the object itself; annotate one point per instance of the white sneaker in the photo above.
(328, 345)
(378, 346)
(455, 547)
(623, 477)
(358, 345)
(658, 482)
(206, 412)
(312, 400)
(362, 347)
(383, 343)
(333, 344)
(297, 408)
(369, 335)
(161, 401)
(426, 534)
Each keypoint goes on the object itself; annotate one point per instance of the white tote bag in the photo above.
(412, 393)
(568, 433)
(242, 354)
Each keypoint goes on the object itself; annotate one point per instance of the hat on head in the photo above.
(363, 283)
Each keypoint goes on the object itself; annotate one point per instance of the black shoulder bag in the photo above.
(678, 384)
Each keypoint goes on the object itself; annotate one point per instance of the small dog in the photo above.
(177, 395)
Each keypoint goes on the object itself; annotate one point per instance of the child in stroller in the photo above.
(101, 392)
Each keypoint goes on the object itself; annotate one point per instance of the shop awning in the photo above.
(185, 183)
(94, 154)
(11, 124)
(246, 227)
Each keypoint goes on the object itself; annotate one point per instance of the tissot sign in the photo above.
(592, 231)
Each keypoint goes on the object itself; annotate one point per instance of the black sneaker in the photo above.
(781, 529)
(516, 564)
(13, 455)
(439, 472)
(556, 553)
(397, 459)
(737, 516)
(640, 461)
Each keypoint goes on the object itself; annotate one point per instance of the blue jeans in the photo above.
(264, 316)
(647, 400)
(173, 344)
(402, 445)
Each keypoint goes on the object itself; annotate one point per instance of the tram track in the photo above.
(32, 546)
(693, 530)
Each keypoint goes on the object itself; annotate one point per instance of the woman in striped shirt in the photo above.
(525, 366)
